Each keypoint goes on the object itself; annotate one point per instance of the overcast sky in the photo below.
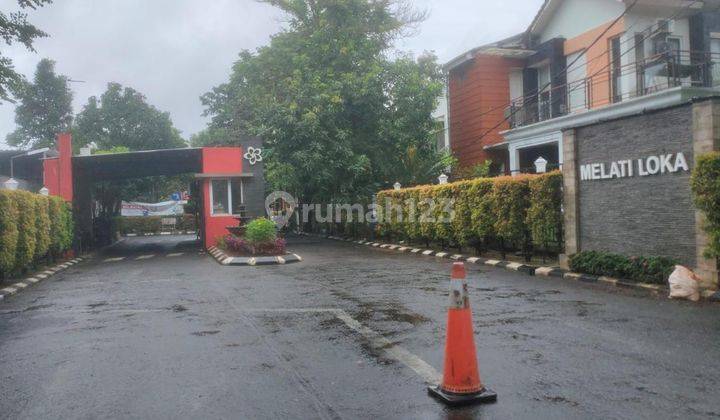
(173, 51)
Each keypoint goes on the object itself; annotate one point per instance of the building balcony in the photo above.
(664, 71)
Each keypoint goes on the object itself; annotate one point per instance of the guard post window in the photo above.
(226, 196)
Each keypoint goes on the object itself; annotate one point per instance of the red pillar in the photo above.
(57, 172)
(64, 146)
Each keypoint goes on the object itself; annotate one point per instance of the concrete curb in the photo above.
(521, 268)
(24, 284)
(556, 272)
(225, 259)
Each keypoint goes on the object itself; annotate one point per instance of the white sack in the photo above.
(684, 284)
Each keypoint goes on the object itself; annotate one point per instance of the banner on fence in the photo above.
(166, 208)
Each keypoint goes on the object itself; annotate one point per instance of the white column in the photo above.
(514, 154)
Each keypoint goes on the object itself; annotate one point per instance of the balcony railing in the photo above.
(654, 74)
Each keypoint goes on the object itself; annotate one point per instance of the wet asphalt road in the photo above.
(154, 328)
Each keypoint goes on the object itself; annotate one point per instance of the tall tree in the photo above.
(122, 117)
(408, 132)
(211, 136)
(15, 28)
(45, 108)
(324, 97)
(120, 121)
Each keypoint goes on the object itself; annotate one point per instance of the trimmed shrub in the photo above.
(142, 225)
(32, 226)
(56, 224)
(642, 269)
(139, 225)
(510, 204)
(61, 226)
(8, 231)
(68, 226)
(544, 216)
(410, 231)
(480, 200)
(261, 230)
(425, 213)
(514, 210)
(705, 185)
(186, 223)
(42, 226)
(26, 223)
(462, 217)
(442, 209)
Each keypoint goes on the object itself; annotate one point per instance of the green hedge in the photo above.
(642, 269)
(9, 232)
(142, 225)
(26, 221)
(32, 227)
(516, 211)
(705, 184)
(61, 222)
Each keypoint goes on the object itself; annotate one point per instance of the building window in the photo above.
(545, 96)
(227, 196)
(640, 64)
(673, 48)
(715, 62)
(615, 70)
(577, 82)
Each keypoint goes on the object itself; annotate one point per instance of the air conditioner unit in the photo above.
(665, 27)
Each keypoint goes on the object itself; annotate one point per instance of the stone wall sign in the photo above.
(651, 165)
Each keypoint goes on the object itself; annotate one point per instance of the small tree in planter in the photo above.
(260, 239)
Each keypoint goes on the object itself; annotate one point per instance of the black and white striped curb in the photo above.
(225, 259)
(514, 266)
(131, 235)
(24, 284)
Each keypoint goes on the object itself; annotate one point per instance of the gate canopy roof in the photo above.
(139, 164)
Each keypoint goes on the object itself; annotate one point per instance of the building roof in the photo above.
(138, 164)
(541, 18)
(512, 47)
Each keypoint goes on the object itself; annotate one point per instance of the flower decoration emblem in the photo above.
(253, 155)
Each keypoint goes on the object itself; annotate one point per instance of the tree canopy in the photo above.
(15, 28)
(45, 108)
(122, 117)
(336, 114)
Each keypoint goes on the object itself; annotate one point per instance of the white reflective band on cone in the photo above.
(459, 294)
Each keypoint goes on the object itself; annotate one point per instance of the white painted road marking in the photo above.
(377, 341)
(114, 259)
(145, 257)
(176, 254)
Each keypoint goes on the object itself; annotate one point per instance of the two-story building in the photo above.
(579, 62)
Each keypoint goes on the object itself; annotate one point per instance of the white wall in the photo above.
(514, 148)
(575, 17)
(636, 24)
(516, 85)
(441, 114)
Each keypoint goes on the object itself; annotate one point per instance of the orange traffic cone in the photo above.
(461, 383)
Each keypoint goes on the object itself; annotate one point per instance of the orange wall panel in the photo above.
(598, 58)
(479, 91)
